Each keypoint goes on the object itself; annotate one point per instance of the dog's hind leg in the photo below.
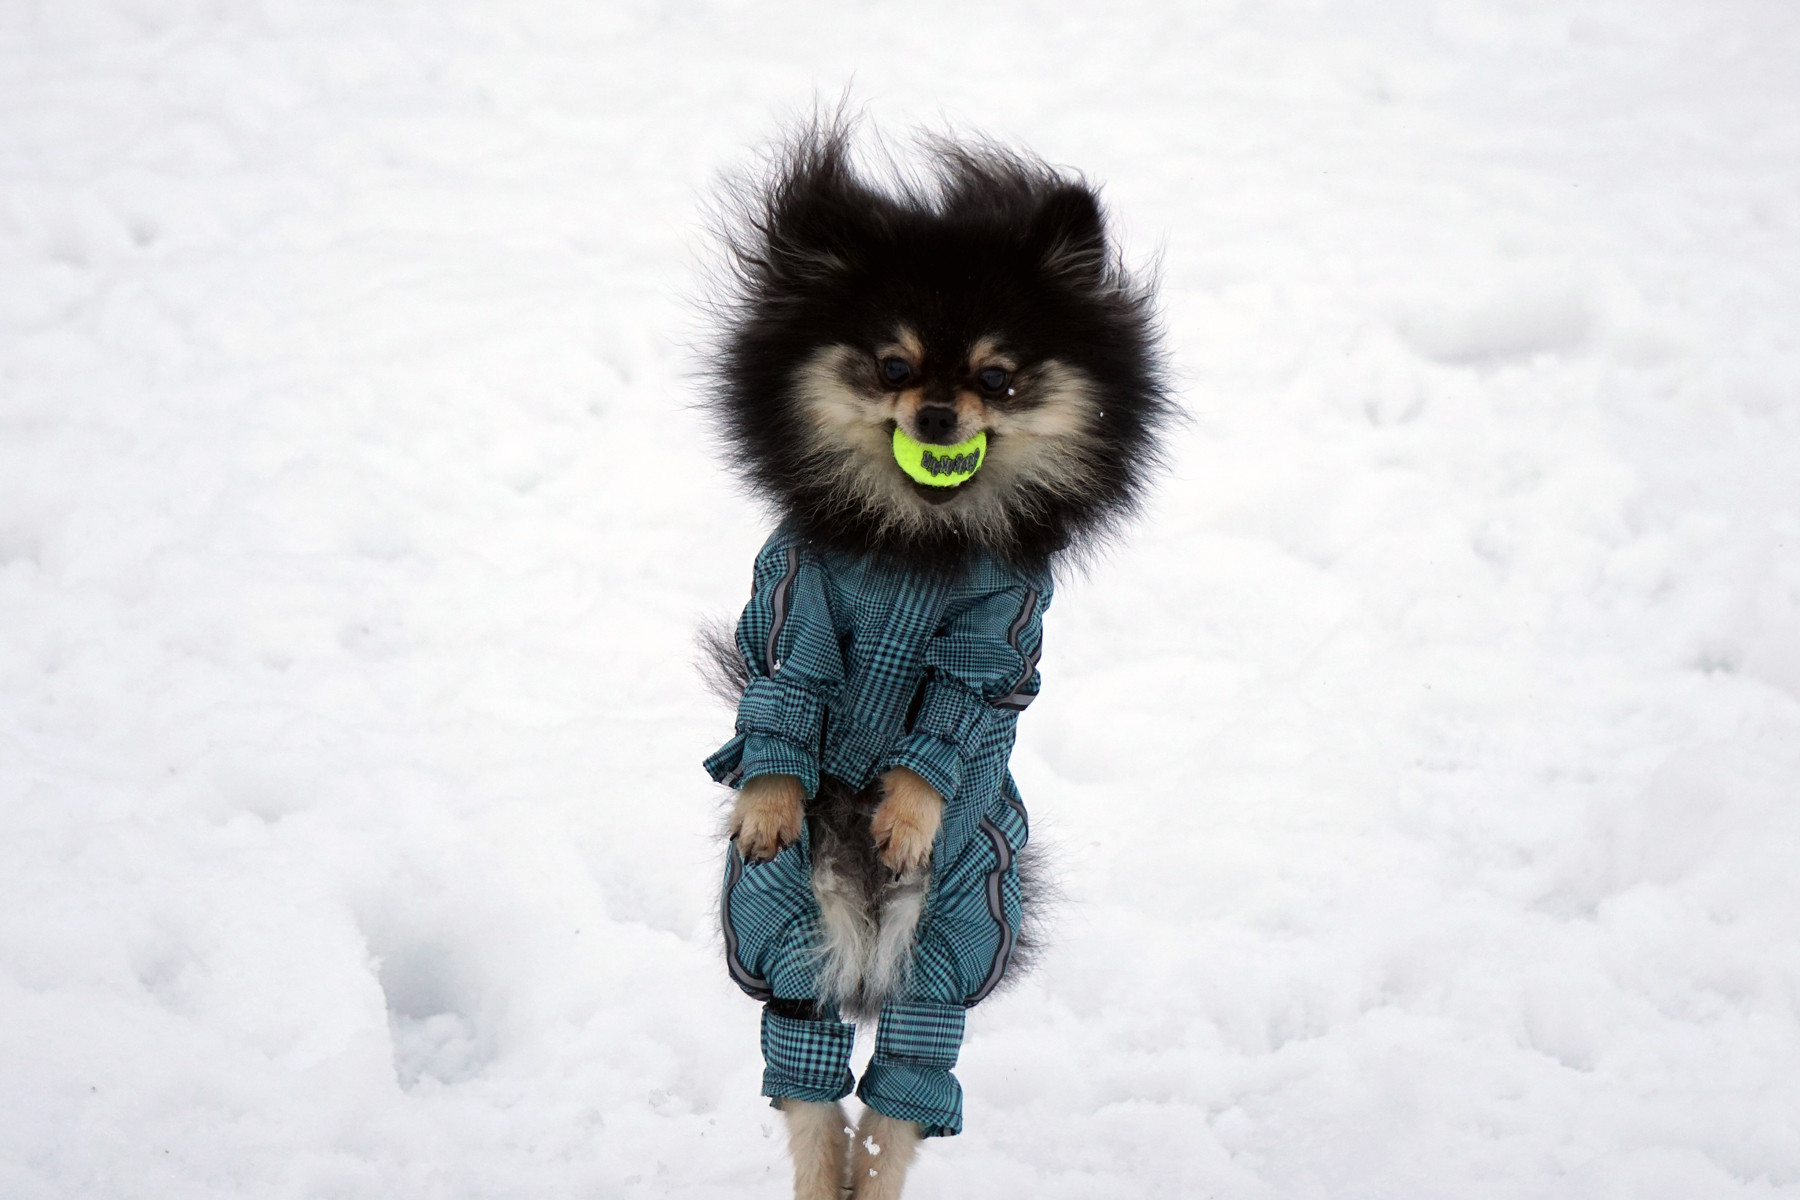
(884, 1147)
(818, 1138)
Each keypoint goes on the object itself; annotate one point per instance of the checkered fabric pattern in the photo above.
(972, 917)
(806, 1060)
(857, 668)
(973, 914)
(771, 923)
(839, 649)
(909, 1076)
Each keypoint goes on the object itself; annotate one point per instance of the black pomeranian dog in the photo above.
(941, 384)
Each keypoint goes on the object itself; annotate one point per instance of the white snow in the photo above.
(1424, 771)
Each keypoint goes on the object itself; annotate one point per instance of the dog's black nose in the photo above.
(936, 424)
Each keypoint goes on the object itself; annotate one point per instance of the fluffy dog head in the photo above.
(982, 312)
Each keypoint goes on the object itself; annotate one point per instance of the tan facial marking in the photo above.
(1062, 404)
(1046, 440)
(986, 352)
(831, 386)
(972, 403)
(971, 413)
(905, 344)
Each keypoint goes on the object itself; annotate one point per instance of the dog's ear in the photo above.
(1068, 235)
(818, 212)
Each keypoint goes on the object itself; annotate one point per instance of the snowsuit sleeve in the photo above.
(795, 665)
(981, 671)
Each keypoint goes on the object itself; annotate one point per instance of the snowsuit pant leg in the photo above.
(909, 1076)
(806, 1057)
(771, 921)
(970, 928)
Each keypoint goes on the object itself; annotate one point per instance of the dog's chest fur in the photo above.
(867, 913)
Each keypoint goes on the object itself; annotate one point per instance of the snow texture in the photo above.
(1424, 771)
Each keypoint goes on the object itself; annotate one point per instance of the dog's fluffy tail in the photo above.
(1037, 888)
(720, 663)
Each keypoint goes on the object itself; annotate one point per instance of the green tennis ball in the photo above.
(939, 466)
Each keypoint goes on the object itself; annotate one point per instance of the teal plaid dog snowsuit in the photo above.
(857, 667)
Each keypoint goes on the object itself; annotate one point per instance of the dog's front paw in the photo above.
(766, 818)
(906, 821)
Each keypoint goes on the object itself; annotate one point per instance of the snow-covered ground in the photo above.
(1425, 772)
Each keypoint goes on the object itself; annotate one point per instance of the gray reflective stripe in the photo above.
(781, 606)
(1018, 806)
(1017, 698)
(740, 974)
(1003, 857)
(731, 777)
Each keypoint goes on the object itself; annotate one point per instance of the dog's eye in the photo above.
(896, 370)
(992, 379)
